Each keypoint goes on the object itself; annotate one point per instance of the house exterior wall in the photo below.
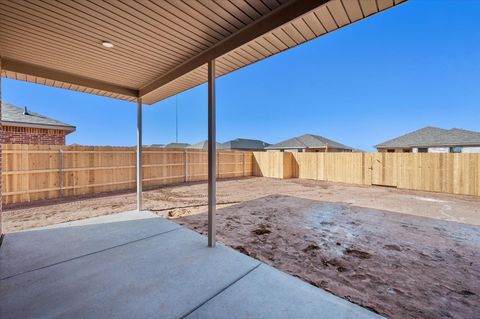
(471, 149)
(465, 149)
(29, 135)
(294, 150)
(241, 149)
(395, 150)
(415, 150)
(329, 150)
(310, 150)
(435, 150)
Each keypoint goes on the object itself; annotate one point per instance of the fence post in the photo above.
(243, 164)
(218, 164)
(61, 172)
(185, 163)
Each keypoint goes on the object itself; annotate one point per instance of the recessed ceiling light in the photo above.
(107, 44)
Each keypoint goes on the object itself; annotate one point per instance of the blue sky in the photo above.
(415, 65)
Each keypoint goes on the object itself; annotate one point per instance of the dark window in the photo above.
(390, 151)
(407, 150)
(423, 150)
(455, 149)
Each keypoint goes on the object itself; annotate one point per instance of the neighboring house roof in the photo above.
(243, 144)
(433, 136)
(16, 116)
(176, 145)
(157, 145)
(307, 141)
(203, 145)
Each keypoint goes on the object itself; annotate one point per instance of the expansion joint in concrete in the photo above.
(92, 253)
(221, 290)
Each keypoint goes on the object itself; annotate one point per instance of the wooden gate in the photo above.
(383, 169)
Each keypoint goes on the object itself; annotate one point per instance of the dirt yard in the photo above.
(398, 265)
(188, 199)
(403, 254)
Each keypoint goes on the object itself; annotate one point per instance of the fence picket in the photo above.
(34, 172)
(436, 172)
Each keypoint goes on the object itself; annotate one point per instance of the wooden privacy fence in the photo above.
(437, 172)
(33, 172)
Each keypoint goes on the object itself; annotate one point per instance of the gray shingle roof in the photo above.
(14, 116)
(308, 141)
(433, 136)
(243, 144)
(176, 145)
(203, 145)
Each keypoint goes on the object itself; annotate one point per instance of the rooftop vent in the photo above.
(25, 111)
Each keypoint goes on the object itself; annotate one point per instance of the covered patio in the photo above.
(134, 264)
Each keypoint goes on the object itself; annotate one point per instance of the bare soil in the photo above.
(191, 198)
(398, 265)
(403, 254)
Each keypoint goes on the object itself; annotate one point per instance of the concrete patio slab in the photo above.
(162, 276)
(118, 217)
(269, 293)
(148, 267)
(33, 249)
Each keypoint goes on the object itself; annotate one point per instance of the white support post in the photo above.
(212, 155)
(139, 154)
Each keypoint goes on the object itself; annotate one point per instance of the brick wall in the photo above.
(29, 135)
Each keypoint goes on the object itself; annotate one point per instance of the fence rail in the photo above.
(34, 172)
(437, 172)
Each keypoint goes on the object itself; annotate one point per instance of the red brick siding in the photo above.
(29, 135)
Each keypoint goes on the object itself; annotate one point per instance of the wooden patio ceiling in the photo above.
(160, 47)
